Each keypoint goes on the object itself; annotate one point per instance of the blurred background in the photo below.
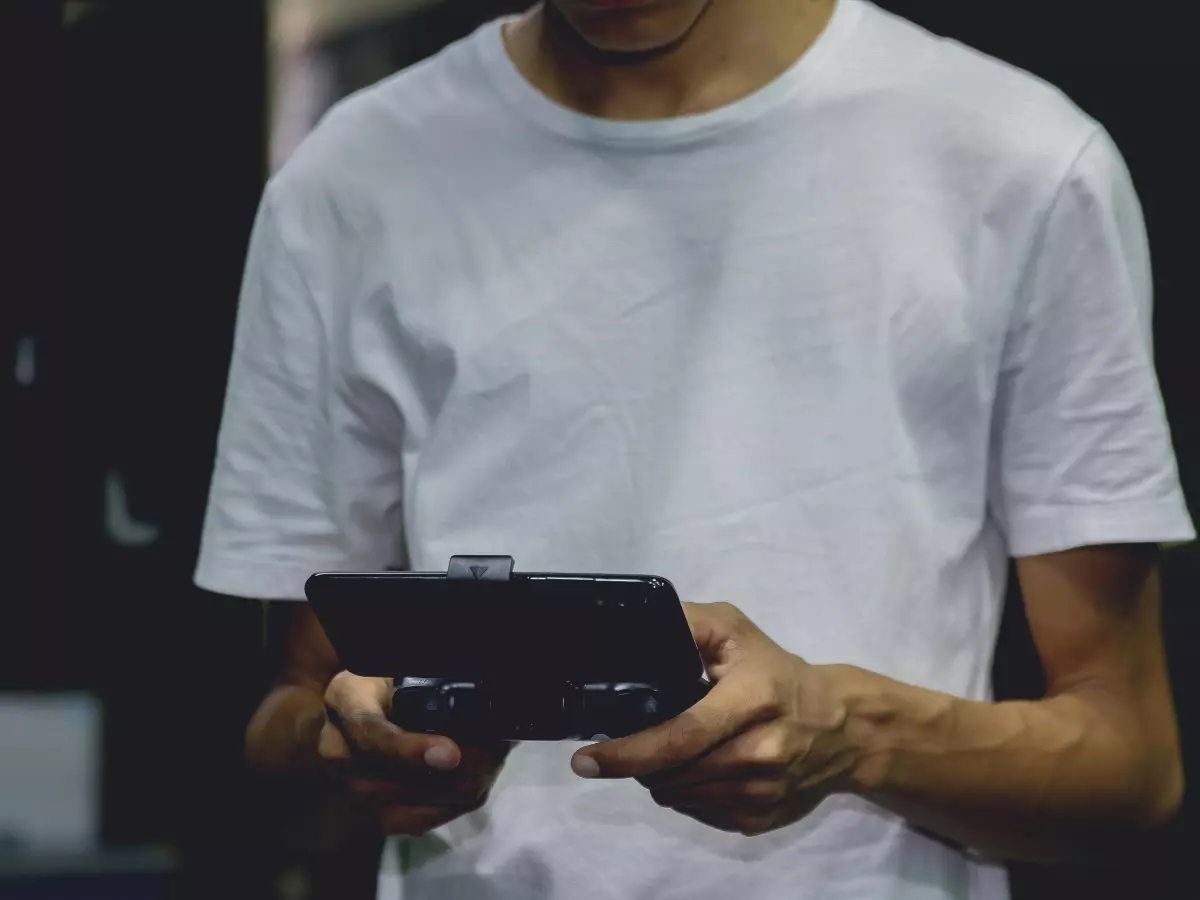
(141, 134)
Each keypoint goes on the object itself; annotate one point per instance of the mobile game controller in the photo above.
(480, 653)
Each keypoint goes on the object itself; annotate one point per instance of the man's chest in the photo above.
(756, 308)
(602, 349)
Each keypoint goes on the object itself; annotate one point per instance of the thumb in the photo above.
(358, 708)
(724, 712)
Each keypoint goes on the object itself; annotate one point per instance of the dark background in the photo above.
(139, 161)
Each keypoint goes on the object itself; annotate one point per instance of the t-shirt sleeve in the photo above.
(1081, 450)
(307, 476)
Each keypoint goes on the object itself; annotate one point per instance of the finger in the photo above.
(349, 691)
(762, 793)
(376, 742)
(357, 706)
(749, 824)
(757, 752)
(417, 820)
(382, 794)
(474, 776)
(373, 779)
(484, 757)
(722, 633)
(729, 707)
(751, 819)
(720, 819)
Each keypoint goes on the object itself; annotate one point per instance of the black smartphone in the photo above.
(532, 626)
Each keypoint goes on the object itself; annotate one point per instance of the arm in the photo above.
(296, 450)
(338, 840)
(1082, 772)
(282, 735)
(1075, 774)
(1080, 458)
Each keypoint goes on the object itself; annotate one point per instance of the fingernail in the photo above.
(441, 756)
(585, 766)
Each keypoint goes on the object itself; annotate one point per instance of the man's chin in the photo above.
(622, 49)
(628, 30)
(620, 7)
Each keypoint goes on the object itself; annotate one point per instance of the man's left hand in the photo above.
(761, 751)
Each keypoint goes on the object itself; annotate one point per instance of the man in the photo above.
(794, 304)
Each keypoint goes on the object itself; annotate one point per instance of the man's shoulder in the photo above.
(389, 131)
(972, 103)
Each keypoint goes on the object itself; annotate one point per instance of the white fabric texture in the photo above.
(832, 353)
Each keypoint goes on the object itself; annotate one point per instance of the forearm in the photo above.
(1062, 778)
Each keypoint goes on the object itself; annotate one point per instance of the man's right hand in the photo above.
(415, 782)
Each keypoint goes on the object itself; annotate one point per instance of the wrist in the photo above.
(882, 717)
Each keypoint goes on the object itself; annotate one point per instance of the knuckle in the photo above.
(771, 751)
(662, 798)
(655, 781)
(765, 791)
(768, 706)
(368, 732)
(684, 731)
(338, 688)
(678, 734)
(347, 692)
(679, 742)
(350, 726)
(721, 823)
(753, 827)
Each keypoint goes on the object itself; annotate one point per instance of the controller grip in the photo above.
(469, 709)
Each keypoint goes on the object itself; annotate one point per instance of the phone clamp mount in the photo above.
(478, 709)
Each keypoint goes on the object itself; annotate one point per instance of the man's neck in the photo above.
(736, 47)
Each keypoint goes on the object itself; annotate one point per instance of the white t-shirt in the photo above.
(832, 353)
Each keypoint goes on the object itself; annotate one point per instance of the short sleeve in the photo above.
(303, 479)
(1081, 450)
